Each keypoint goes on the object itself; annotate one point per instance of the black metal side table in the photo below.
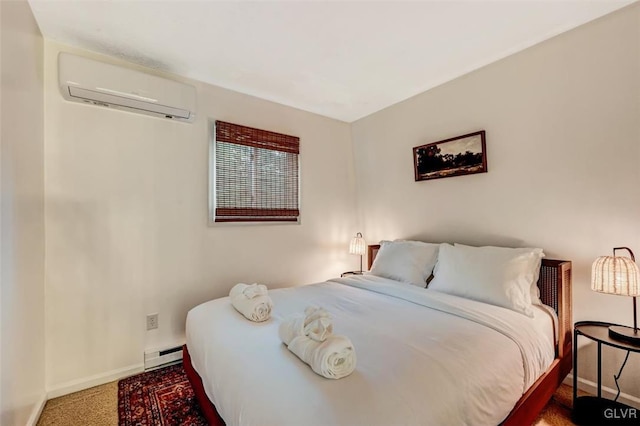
(346, 274)
(596, 410)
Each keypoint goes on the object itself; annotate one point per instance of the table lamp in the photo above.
(618, 275)
(358, 246)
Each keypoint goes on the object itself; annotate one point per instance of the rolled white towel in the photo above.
(315, 324)
(313, 313)
(250, 291)
(318, 324)
(250, 302)
(319, 329)
(334, 358)
(290, 328)
(255, 290)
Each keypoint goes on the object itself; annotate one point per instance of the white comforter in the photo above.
(424, 358)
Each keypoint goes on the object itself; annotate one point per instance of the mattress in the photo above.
(423, 357)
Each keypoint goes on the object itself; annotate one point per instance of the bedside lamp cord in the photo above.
(615, 378)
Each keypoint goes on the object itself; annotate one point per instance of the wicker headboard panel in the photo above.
(555, 291)
(372, 251)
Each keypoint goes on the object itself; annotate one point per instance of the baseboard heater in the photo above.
(162, 358)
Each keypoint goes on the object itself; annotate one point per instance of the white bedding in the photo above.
(423, 358)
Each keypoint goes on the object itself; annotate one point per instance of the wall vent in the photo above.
(162, 358)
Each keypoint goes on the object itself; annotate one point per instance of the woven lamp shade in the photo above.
(358, 245)
(615, 275)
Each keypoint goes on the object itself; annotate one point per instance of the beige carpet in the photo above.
(99, 406)
(558, 410)
(96, 406)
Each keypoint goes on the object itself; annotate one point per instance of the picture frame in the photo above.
(458, 156)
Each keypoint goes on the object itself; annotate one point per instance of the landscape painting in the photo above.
(462, 155)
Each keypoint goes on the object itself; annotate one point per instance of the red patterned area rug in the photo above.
(158, 398)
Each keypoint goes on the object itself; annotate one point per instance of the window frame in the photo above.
(212, 189)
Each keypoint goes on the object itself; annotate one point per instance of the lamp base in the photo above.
(627, 334)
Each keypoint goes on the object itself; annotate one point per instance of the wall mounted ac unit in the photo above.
(97, 83)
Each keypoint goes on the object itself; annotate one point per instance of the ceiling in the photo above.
(343, 60)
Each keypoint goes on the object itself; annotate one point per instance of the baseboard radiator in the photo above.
(162, 358)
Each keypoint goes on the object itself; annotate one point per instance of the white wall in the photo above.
(563, 142)
(126, 223)
(126, 195)
(22, 386)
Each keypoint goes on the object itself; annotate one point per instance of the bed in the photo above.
(504, 367)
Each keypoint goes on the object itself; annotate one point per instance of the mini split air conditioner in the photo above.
(101, 84)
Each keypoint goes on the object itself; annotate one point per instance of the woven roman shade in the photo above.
(615, 275)
(256, 175)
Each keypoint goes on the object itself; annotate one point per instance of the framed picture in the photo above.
(462, 155)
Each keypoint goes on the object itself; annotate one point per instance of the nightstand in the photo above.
(346, 274)
(596, 410)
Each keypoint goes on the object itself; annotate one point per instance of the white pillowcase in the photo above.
(495, 275)
(535, 265)
(407, 261)
(535, 291)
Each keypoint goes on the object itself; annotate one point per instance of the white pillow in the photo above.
(535, 291)
(407, 261)
(495, 275)
(535, 265)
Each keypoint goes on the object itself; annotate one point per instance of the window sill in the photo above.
(213, 224)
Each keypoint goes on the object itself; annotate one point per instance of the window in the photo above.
(255, 175)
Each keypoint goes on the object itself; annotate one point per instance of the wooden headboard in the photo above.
(555, 291)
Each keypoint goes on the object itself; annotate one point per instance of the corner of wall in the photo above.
(22, 359)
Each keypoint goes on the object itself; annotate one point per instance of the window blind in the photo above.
(256, 175)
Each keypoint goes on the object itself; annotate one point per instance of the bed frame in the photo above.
(555, 291)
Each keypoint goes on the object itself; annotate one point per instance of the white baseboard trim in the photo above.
(607, 392)
(95, 380)
(37, 410)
